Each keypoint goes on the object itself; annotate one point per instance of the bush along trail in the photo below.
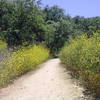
(22, 61)
(82, 57)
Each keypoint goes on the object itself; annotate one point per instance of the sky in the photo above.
(86, 8)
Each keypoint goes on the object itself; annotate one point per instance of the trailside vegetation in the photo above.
(3, 45)
(22, 61)
(82, 57)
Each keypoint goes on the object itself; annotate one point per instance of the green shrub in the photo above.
(22, 61)
(82, 57)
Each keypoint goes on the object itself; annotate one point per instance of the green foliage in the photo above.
(24, 22)
(64, 27)
(82, 57)
(87, 25)
(60, 33)
(21, 21)
(53, 13)
(21, 62)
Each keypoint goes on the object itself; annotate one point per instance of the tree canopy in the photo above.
(25, 22)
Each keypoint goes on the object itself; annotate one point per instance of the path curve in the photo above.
(50, 82)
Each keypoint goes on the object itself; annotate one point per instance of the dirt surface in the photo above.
(50, 82)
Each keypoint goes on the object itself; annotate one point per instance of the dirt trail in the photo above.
(50, 82)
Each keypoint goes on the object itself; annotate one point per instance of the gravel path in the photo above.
(49, 82)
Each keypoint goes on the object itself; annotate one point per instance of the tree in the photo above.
(60, 34)
(87, 25)
(53, 13)
(25, 23)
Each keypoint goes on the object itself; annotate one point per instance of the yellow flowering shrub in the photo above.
(2, 44)
(22, 61)
(82, 57)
